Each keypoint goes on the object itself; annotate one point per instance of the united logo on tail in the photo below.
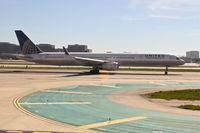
(26, 45)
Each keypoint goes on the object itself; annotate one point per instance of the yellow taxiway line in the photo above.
(110, 86)
(69, 92)
(14, 131)
(18, 106)
(41, 132)
(25, 131)
(156, 83)
(111, 122)
(60, 103)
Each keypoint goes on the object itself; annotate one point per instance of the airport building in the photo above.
(59, 50)
(6, 47)
(192, 54)
(47, 47)
(78, 48)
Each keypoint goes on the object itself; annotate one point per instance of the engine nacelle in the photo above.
(110, 66)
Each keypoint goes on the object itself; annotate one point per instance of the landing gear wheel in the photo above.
(166, 73)
(166, 70)
(94, 71)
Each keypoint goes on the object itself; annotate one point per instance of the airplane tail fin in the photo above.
(26, 45)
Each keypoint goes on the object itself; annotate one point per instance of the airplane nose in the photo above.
(182, 62)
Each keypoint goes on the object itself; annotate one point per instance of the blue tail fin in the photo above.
(26, 45)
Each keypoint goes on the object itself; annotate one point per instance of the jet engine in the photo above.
(110, 66)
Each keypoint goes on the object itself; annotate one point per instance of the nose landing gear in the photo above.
(166, 70)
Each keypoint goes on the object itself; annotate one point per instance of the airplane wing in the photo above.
(86, 61)
(102, 64)
(90, 61)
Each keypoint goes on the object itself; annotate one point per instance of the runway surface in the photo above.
(88, 107)
(83, 101)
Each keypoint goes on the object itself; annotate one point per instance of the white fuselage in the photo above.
(123, 59)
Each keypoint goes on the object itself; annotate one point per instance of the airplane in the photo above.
(98, 61)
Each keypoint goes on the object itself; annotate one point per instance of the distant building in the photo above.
(78, 48)
(6, 47)
(47, 47)
(192, 54)
(59, 50)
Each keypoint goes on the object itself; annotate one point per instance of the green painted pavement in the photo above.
(102, 108)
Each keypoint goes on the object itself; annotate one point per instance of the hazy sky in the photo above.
(137, 26)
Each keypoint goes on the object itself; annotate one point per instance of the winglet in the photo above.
(65, 50)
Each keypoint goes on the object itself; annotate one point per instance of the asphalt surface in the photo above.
(92, 106)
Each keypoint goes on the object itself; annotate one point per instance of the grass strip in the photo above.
(44, 67)
(192, 94)
(161, 69)
(191, 107)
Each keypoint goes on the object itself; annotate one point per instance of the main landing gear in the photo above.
(94, 71)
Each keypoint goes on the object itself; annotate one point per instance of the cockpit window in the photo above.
(177, 58)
